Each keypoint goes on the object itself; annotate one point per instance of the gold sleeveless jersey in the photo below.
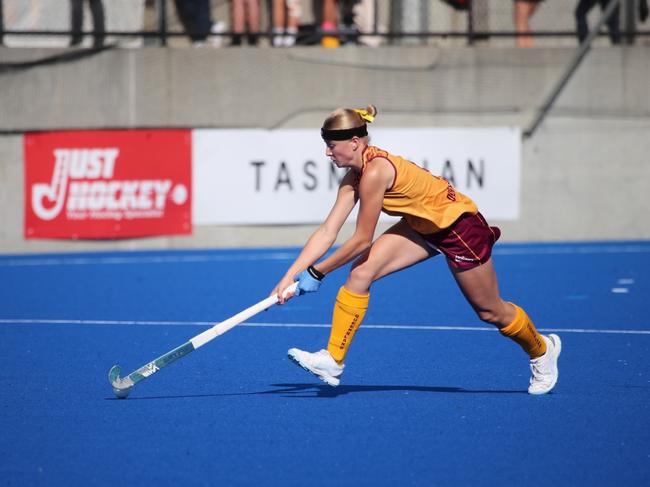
(428, 203)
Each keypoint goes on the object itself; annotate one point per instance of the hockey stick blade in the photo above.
(122, 385)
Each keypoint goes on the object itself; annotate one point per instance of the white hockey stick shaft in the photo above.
(122, 386)
(224, 326)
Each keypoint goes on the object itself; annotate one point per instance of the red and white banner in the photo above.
(108, 184)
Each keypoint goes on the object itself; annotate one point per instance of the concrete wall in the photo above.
(585, 172)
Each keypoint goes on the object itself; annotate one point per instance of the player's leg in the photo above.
(398, 248)
(467, 244)
(480, 288)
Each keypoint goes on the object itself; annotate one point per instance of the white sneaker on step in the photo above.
(544, 369)
(320, 363)
(217, 40)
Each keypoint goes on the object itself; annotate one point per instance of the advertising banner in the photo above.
(283, 177)
(108, 184)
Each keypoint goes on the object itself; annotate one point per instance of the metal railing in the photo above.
(569, 71)
(473, 31)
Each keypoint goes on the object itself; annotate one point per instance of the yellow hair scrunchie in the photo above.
(365, 115)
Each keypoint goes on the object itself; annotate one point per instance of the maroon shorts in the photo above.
(467, 243)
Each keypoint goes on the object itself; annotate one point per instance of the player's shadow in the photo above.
(318, 390)
(313, 390)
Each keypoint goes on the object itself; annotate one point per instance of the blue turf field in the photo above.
(430, 395)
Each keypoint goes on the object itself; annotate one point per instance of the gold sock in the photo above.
(523, 331)
(349, 310)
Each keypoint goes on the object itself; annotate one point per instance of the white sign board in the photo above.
(247, 177)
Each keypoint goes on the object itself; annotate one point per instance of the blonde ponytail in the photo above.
(367, 114)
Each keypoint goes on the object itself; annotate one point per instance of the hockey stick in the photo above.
(122, 386)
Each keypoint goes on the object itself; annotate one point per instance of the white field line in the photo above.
(307, 325)
(162, 259)
(271, 256)
(573, 249)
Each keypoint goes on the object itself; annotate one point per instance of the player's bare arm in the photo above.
(377, 178)
(324, 236)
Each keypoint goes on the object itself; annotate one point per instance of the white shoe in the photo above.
(544, 368)
(321, 364)
(217, 28)
(289, 39)
(278, 37)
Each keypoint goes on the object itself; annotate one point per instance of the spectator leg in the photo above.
(253, 21)
(76, 21)
(238, 21)
(99, 29)
(613, 24)
(523, 11)
(279, 22)
(195, 16)
(330, 23)
(581, 11)
(204, 18)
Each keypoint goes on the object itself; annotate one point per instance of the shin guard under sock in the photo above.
(349, 310)
(523, 331)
